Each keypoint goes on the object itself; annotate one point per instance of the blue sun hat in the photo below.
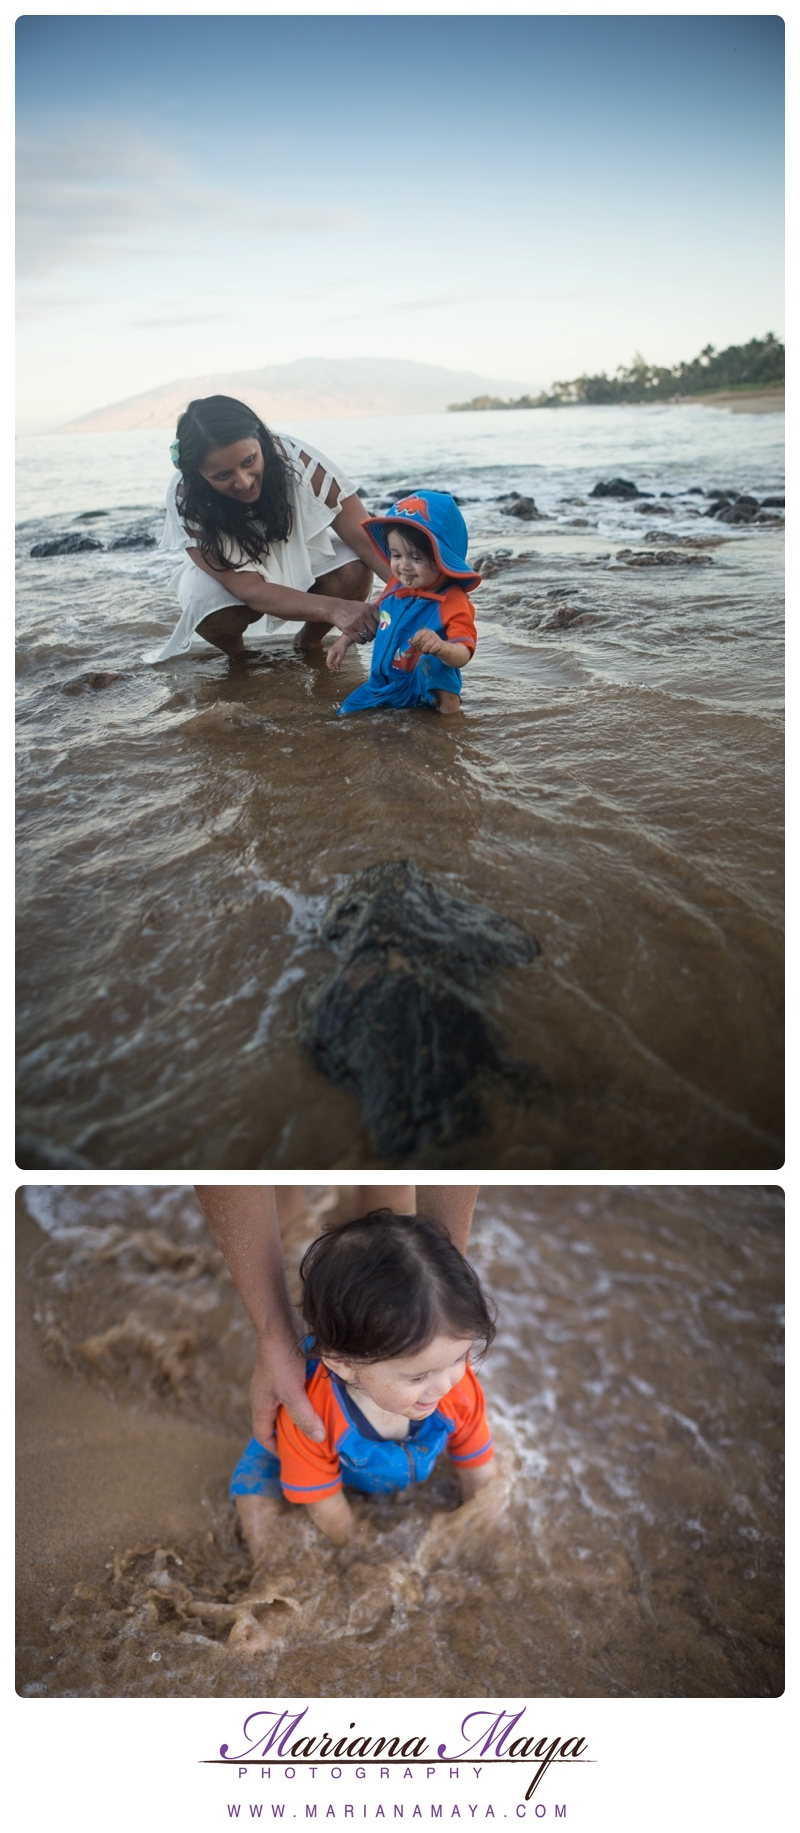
(437, 516)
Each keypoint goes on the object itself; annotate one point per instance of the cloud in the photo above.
(90, 192)
(530, 299)
(436, 302)
(33, 305)
(178, 320)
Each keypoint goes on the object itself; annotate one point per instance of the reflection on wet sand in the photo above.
(633, 1547)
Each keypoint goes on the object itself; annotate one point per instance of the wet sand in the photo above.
(635, 1392)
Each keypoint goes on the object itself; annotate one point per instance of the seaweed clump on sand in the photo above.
(399, 1019)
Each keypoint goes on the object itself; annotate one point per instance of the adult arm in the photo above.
(451, 1205)
(349, 525)
(244, 1222)
(349, 615)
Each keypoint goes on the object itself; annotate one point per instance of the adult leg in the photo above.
(399, 1197)
(353, 580)
(225, 629)
(452, 1205)
(292, 1205)
(290, 1201)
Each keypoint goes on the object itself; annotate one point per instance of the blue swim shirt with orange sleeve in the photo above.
(310, 1471)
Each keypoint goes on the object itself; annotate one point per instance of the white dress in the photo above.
(313, 548)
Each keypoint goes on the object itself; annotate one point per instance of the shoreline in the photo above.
(768, 400)
(749, 401)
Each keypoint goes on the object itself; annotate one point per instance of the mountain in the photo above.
(313, 388)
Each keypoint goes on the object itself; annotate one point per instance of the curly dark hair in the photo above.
(385, 1284)
(215, 521)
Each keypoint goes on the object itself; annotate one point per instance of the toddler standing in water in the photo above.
(426, 631)
(394, 1312)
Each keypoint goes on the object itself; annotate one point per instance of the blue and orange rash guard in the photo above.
(399, 677)
(378, 1466)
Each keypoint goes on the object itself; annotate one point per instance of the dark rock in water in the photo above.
(64, 544)
(495, 562)
(91, 515)
(34, 1154)
(666, 556)
(742, 509)
(521, 506)
(566, 617)
(668, 536)
(96, 681)
(399, 1019)
(773, 502)
(649, 508)
(499, 560)
(694, 490)
(134, 540)
(101, 678)
(619, 487)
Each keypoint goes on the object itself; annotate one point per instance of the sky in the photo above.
(527, 197)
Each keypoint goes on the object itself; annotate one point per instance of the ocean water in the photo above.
(635, 1394)
(613, 783)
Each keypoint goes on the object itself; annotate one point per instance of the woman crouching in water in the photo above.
(267, 526)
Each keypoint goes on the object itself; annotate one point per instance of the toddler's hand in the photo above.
(336, 654)
(427, 641)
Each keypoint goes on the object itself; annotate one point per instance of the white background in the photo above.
(682, 1765)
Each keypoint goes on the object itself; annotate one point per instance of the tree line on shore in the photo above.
(759, 364)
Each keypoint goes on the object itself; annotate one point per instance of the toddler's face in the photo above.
(410, 1385)
(409, 566)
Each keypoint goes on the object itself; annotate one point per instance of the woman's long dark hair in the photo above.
(386, 1284)
(213, 520)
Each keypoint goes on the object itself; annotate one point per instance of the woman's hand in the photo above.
(357, 621)
(279, 1378)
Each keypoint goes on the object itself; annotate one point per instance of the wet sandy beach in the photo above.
(635, 1390)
